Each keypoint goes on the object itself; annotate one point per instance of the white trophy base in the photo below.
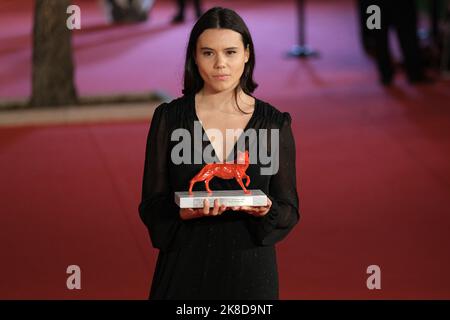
(229, 198)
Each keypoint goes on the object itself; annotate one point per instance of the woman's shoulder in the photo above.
(176, 107)
(170, 105)
(272, 113)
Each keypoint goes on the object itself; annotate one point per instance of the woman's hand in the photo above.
(255, 211)
(189, 213)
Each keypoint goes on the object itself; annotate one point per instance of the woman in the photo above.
(218, 252)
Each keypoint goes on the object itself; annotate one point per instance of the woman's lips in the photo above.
(221, 77)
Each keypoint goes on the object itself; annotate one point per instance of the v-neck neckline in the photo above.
(247, 126)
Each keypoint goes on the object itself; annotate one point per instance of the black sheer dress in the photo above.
(231, 256)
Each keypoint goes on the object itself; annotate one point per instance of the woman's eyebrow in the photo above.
(207, 48)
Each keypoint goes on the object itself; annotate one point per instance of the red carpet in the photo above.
(373, 164)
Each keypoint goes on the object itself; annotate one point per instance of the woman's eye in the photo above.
(231, 52)
(207, 53)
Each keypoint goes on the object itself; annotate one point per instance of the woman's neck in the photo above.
(224, 101)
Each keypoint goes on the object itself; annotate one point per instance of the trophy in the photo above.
(229, 198)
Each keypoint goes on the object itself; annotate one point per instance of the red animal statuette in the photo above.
(224, 171)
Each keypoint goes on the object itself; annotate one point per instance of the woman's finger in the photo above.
(215, 209)
(222, 208)
(206, 207)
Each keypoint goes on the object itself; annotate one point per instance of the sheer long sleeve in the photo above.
(157, 209)
(284, 213)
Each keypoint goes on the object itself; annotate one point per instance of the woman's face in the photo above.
(220, 57)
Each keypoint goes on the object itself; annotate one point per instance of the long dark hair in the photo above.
(218, 18)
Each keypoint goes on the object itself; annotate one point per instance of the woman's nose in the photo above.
(220, 62)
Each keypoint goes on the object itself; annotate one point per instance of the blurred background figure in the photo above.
(367, 37)
(402, 15)
(445, 58)
(181, 4)
(128, 10)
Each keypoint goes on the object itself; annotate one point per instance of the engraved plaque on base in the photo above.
(229, 198)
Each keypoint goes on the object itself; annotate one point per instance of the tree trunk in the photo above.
(53, 69)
